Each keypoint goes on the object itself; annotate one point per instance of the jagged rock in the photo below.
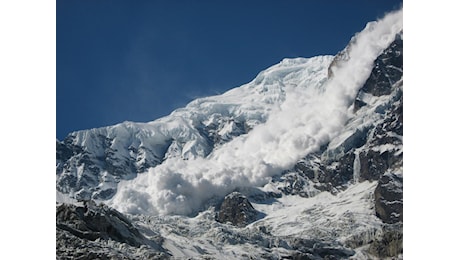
(389, 198)
(388, 68)
(375, 162)
(224, 130)
(237, 210)
(65, 150)
(356, 139)
(92, 222)
(315, 249)
(98, 232)
(69, 247)
(339, 172)
(358, 104)
(312, 175)
(389, 243)
(340, 58)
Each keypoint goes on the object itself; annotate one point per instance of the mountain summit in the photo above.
(303, 162)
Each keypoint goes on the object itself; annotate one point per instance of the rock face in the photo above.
(80, 231)
(97, 222)
(237, 210)
(388, 69)
(389, 199)
(389, 243)
(314, 249)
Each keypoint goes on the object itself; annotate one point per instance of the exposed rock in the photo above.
(385, 145)
(69, 247)
(92, 222)
(373, 164)
(224, 130)
(388, 68)
(237, 210)
(91, 232)
(389, 243)
(315, 249)
(358, 103)
(389, 198)
(340, 58)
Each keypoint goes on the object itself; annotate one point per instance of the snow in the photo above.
(323, 214)
(325, 217)
(65, 198)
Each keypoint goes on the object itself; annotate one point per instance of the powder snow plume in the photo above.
(309, 118)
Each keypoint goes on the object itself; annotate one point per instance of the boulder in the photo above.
(237, 210)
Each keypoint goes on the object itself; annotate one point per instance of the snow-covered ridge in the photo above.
(92, 162)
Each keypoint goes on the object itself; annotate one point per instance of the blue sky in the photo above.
(139, 60)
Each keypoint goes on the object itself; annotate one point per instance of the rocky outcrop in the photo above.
(388, 69)
(97, 222)
(95, 231)
(389, 243)
(389, 198)
(315, 249)
(237, 210)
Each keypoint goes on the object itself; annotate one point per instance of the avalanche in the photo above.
(313, 113)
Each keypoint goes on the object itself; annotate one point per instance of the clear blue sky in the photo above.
(139, 60)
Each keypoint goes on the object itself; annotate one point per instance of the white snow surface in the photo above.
(293, 109)
(325, 217)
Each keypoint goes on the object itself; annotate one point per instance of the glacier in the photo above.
(311, 142)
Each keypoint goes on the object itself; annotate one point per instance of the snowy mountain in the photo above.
(303, 162)
(90, 163)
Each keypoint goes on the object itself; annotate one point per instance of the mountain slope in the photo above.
(303, 162)
(90, 163)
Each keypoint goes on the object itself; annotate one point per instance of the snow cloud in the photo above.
(309, 117)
